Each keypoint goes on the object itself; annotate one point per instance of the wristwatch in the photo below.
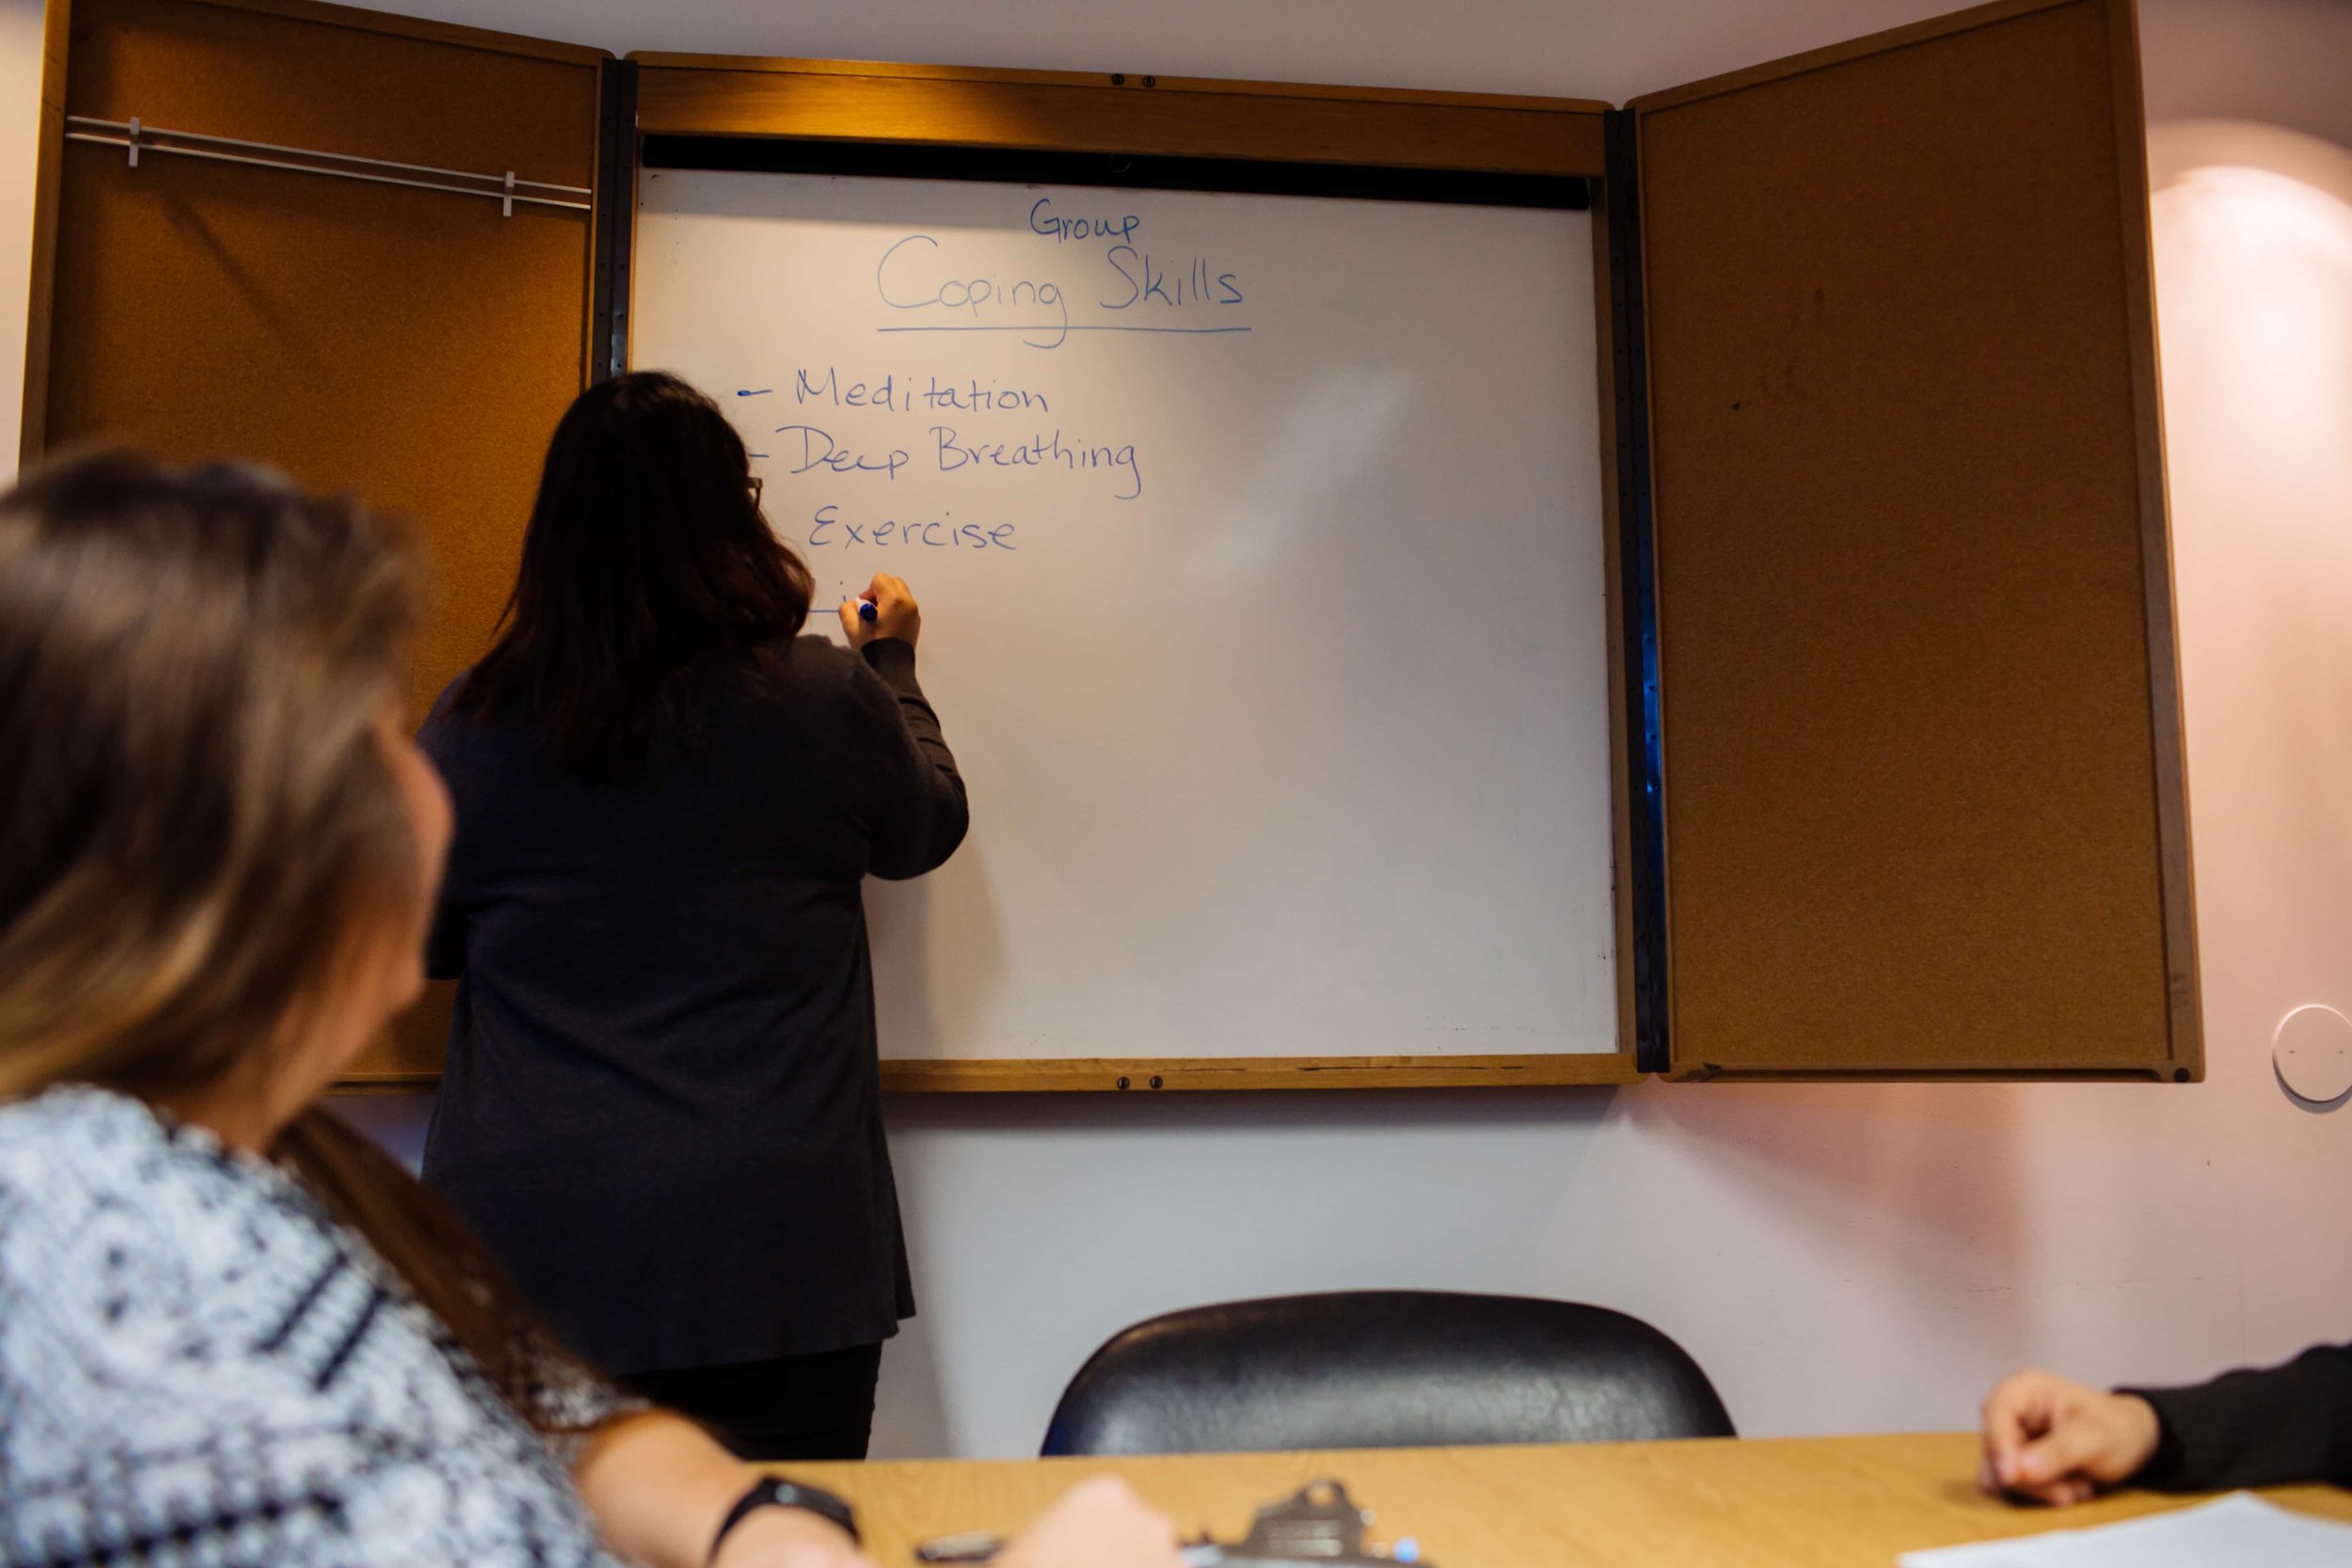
(775, 1493)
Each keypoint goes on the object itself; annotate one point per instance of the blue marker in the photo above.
(866, 611)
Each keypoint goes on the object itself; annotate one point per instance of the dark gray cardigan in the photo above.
(660, 1108)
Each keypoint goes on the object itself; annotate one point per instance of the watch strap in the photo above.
(774, 1491)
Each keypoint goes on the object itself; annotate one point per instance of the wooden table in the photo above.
(1832, 1502)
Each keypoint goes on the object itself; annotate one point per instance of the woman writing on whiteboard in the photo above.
(660, 1108)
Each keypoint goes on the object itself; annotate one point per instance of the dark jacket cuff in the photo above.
(2268, 1428)
(2165, 1466)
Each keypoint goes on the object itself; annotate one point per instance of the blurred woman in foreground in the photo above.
(230, 1331)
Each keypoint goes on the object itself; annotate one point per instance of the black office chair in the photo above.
(1382, 1369)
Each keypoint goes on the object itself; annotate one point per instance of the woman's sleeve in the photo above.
(567, 1400)
(445, 940)
(916, 810)
(148, 1437)
(445, 945)
(2272, 1428)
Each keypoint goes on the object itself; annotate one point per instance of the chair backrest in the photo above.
(1383, 1369)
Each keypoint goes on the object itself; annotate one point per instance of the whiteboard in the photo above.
(1260, 545)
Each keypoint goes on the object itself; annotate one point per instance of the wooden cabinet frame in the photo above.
(1103, 127)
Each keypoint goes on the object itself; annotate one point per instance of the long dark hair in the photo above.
(198, 827)
(647, 559)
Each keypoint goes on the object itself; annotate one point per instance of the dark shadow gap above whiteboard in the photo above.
(1230, 176)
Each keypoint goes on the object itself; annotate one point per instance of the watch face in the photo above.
(774, 1492)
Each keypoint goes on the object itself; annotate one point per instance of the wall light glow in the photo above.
(2256, 270)
(2253, 259)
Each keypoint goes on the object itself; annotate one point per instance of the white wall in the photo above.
(1840, 1258)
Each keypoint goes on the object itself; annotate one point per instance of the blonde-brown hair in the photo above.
(197, 806)
(199, 825)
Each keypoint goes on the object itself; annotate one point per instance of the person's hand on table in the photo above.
(1098, 1524)
(788, 1538)
(2059, 1443)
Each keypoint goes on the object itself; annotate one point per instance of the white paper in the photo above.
(2237, 1532)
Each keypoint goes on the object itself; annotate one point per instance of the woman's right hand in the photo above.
(895, 614)
(1098, 1524)
(2058, 1442)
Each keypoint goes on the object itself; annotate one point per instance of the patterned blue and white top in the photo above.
(198, 1366)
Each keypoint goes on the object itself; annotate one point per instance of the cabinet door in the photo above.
(1919, 713)
(412, 346)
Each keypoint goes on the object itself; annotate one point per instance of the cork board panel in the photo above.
(1903, 429)
(412, 347)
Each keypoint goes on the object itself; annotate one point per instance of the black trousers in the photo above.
(810, 1407)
